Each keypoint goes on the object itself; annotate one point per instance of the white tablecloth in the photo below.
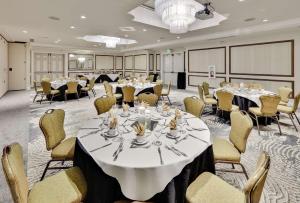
(58, 83)
(138, 87)
(251, 94)
(112, 76)
(138, 170)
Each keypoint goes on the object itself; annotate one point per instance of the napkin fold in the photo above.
(139, 129)
(113, 123)
(145, 104)
(125, 107)
(173, 124)
(165, 107)
(177, 114)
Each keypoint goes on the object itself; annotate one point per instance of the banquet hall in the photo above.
(150, 101)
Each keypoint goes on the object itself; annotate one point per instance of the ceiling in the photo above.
(104, 17)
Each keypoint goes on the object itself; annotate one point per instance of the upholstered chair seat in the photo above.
(104, 104)
(229, 151)
(225, 150)
(149, 98)
(65, 150)
(285, 94)
(194, 106)
(209, 188)
(67, 186)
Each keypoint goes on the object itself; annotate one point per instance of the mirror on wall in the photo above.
(81, 62)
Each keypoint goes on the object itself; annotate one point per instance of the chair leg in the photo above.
(297, 118)
(77, 96)
(276, 118)
(35, 97)
(42, 99)
(51, 98)
(257, 123)
(169, 100)
(233, 171)
(45, 170)
(244, 170)
(290, 115)
(53, 168)
(65, 97)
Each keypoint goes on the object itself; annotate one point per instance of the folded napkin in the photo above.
(144, 104)
(177, 114)
(139, 129)
(173, 124)
(165, 107)
(113, 123)
(125, 107)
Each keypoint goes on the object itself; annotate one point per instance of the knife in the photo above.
(198, 138)
(100, 147)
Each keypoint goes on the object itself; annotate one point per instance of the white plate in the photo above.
(123, 115)
(172, 137)
(137, 142)
(111, 136)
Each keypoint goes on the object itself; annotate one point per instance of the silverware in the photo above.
(160, 156)
(90, 133)
(104, 136)
(172, 150)
(120, 150)
(184, 138)
(116, 152)
(182, 153)
(198, 138)
(88, 128)
(133, 146)
(101, 147)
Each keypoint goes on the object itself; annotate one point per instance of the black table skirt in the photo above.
(103, 188)
(62, 90)
(103, 78)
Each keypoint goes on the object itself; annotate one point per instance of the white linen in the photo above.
(58, 83)
(138, 170)
(90, 76)
(138, 86)
(112, 76)
(251, 94)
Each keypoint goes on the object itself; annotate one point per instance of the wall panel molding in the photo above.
(140, 62)
(107, 60)
(116, 63)
(223, 78)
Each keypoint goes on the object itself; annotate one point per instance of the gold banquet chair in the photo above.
(285, 94)
(158, 90)
(166, 93)
(205, 87)
(89, 88)
(68, 186)
(62, 149)
(109, 90)
(225, 101)
(209, 188)
(269, 104)
(229, 152)
(207, 101)
(72, 89)
(46, 85)
(291, 111)
(38, 90)
(104, 104)
(149, 98)
(194, 106)
(128, 94)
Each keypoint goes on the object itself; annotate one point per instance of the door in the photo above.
(17, 66)
(56, 66)
(172, 64)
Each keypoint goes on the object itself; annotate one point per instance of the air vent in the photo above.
(31, 40)
(250, 19)
(127, 29)
(54, 18)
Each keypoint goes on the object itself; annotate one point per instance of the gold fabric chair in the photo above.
(194, 106)
(269, 104)
(158, 90)
(291, 111)
(150, 78)
(166, 93)
(72, 89)
(128, 94)
(225, 101)
(62, 149)
(209, 188)
(149, 98)
(205, 87)
(38, 90)
(104, 104)
(285, 94)
(109, 91)
(207, 101)
(68, 186)
(46, 85)
(230, 151)
(89, 88)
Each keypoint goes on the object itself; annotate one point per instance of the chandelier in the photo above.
(110, 42)
(177, 14)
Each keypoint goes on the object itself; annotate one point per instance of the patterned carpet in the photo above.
(283, 182)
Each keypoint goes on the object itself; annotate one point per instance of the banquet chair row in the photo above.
(67, 186)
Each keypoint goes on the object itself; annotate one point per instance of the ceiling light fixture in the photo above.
(177, 14)
(83, 17)
(71, 55)
(25, 31)
(144, 30)
(72, 27)
(57, 41)
(81, 59)
(110, 42)
(178, 37)
(265, 20)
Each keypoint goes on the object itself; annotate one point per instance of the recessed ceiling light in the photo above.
(83, 17)
(57, 41)
(178, 37)
(95, 45)
(241, 0)
(127, 29)
(25, 31)
(158, 40)
(265, 20)
(72, 27)
(144, 30)
(126, 36)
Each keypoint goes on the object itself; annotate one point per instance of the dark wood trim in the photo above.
(264, 43)
(271, 80)
(116, 62)
(201, 76)
(204, 49)
(146, 62)
(156, 67)
(105, 55)
(72, 70)
(125, 62)
(152, 62)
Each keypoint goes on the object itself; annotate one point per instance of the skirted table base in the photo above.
(62, 90)
(103, 188)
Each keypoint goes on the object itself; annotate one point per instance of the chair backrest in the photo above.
(241, 126)
(104, 104)
(285, 93)
(201, 93)
(13, 167)
(92, 83)
(205, 87)
(269, 104)
(52, 126)
(169, 87)
(72, 87)
(151, 78)
(224, 100)
(108, 89)
(296, 103)
(194, 106)
(158, 89)
(149, 98)
(128, 93)
(46, 85)
(255, 184)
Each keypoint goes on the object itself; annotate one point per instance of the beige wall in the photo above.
(3, 66)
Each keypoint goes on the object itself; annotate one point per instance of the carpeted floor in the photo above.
(283, 182)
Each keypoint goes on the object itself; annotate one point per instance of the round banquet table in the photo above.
(107, 77)
(139, 172)
(139, 88)
(61, 85)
